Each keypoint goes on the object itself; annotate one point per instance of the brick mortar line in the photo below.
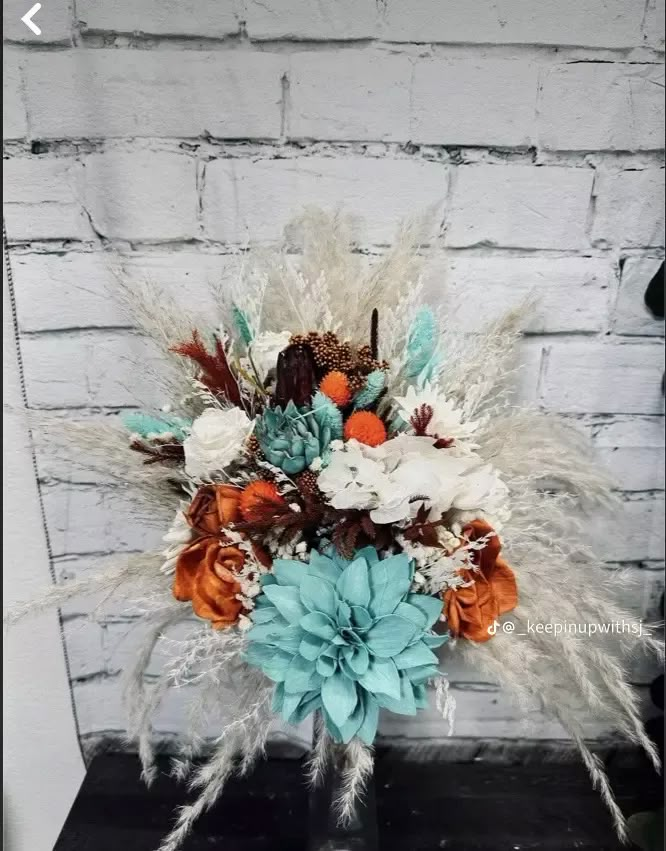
(202, 247)
(554, 54)
(211, 149)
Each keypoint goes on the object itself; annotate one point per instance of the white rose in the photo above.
(216, 438)
(265, 350)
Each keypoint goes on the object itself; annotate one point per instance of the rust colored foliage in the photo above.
(355, 529)
(259, 499)
(270, 514)
(423, 530)
(216, 373)
(421, 419)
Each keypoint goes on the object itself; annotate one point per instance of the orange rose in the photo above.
(213, 507)
(471, 609)
(206, 574)
(207, 569)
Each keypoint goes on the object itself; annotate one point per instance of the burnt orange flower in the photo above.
(492, 591)
(336, 386)
(213, 507)
(206, 574)
(207, 569)
(365, 427)
(258, 498)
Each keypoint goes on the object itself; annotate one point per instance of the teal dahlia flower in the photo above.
(345, 638)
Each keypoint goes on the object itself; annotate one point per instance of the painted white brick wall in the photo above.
(164, 93)
(580, 105)
(170, 131)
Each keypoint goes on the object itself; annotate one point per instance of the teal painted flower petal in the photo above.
(413, 614)
(258, 654)
(287, 601)
(430, 606)
(344, 614)
(332, 728)
(318, 595)
(264, 614)
(319, 624)
(293, 466)
(310, 702)
(414, 656)
(389, 636)
(276, 667)
(301, 677)
(361, 618)
(339, 697)
(368, 554)
(420, 675)
(289, 639)
(349, 729)
(354, 585)
(288, 572)
(389, 582)
(357, 658)
(345, 637)
(324, 567)
(421, 697)
(436, 640)
(326, 666)
(278, 699)
(382, 677)
(290, 703)
(311, 646)
(368, 729)
(406, 704)
(266, 632)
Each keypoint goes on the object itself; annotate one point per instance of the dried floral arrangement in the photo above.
(351, 488)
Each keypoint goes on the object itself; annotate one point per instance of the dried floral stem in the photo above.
(358, 764)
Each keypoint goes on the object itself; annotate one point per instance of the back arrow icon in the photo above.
(27, 19)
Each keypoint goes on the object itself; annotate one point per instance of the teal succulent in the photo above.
(291, 438)
(346, 638)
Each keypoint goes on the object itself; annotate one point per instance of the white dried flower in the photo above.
(244, 623)
(250, 588)
(178, 537)
(447, 419)
(215, 439)
(392, 480)
(265, 349)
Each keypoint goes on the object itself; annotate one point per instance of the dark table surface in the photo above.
(421, 806)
